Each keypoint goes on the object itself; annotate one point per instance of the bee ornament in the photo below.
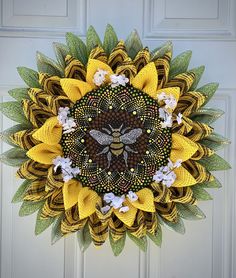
(116, 141)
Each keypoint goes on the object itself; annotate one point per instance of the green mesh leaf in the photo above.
(31, 77)
(200, 193)
(14, 157)
(208, 91)
(214, 163)
(60, 51)
(56, 233)
(133, 44)
(140, 242)
(215, 141)
(77, 48)
(180, 63)
(5, 135)
(19, 93)
(42, 223)
(118, 245)
(198, 74)
(13, 110)
(190, 212)
(207, 115)
(92, 39)
(174, 226)
(110, 39)
(84, 238)
(47, 65)
(160, 51)
(157, 238)
(29, 207)
(211, 184)
(20, 193)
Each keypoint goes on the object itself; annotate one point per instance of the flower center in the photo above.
(118, 142)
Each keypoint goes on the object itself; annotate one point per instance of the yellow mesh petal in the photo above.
(182, 148)
(145, 200)
(174, 91)
(183, 178)
(44, 153)
(87, 200)
(93, 67)
(127, 217)
(50, 132)
(70, 193)
(146, 80)
(75, 89)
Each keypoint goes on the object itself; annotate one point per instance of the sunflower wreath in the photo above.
(112, 140)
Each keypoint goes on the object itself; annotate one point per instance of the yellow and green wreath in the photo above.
(112, 140)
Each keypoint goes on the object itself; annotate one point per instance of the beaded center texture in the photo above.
(118, 143)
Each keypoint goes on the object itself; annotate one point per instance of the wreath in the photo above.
(112, 140)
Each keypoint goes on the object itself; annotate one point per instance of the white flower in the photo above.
(170, 102)
(68, 172)
(165, 174)
(99, 77)
(61, 162)
(161, 96)
(132, 196)
(108, 197)
(169, 179)
(105, 209)
(67, 177)
(167, 123)
(117, 80)
(159, 176)
(118, 201)
(166, 116)
(178, 163)
(179, 118)
(67, 122)
(69, 125)
(124, 209)
(63, 115)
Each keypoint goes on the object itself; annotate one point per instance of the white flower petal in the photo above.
(124, 209)
(105, 209)
(132, 196)
(108, 197)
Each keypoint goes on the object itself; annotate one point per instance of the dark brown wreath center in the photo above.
(118, 143)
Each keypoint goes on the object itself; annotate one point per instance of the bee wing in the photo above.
(101, 138)
(131, 136)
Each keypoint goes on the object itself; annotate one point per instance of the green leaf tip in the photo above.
(47, 65)
(208, 91)
(118, 245)
(29, 76)
(180, 64)
(140, 242)
(133, 44)
(77, 47)
(19, 195)
(198, 72)
(110, 39)
(215, 163)
(19, 93)
(92, 39)
(14, 157)
(13, 110)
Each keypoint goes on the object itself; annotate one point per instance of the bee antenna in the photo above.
(121, 127)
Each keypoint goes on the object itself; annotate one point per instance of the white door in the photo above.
(208, 27)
